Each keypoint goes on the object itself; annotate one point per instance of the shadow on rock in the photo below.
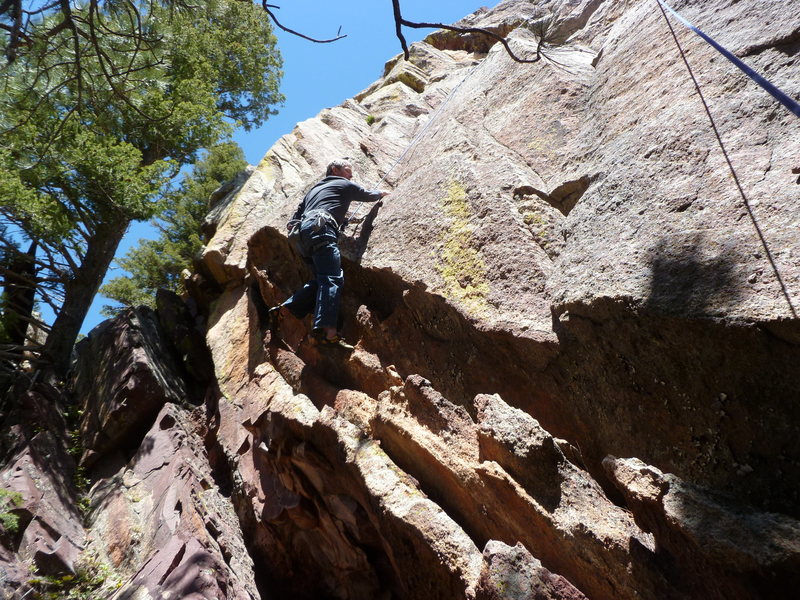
(688, 280)
(354, 245)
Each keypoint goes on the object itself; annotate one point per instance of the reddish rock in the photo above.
(505, 478)
(539, 267)
(38, 469)
(163, 525)
(328, 514)
(566, 233)
(513, 574)
(124, 374)
(722, 548)
(564, 271)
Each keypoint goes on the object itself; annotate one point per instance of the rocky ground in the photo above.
(576, 334)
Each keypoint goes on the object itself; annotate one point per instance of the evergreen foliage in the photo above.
(98, 115)
(8, 501)
(158, 263)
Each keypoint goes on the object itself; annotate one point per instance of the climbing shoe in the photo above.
(274, 317)
(334, 342)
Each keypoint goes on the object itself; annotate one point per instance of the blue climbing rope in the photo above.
(779, 95)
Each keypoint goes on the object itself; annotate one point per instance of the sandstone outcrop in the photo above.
(117, 409)
(565, 235)
(572, 227)
(566, 272)
(162, 524)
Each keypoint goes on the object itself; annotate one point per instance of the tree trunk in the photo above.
(20, 293)
(79, 292)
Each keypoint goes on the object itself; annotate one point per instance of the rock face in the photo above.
(40, 525)
(720, 548)
(567, 271)
(118, 409)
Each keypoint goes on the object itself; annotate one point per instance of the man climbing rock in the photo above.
(320, 215)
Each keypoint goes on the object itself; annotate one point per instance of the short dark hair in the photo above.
(339, 163)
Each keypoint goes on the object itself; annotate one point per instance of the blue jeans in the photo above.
(322, 295)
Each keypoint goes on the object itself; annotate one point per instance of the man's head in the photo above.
(340, 168)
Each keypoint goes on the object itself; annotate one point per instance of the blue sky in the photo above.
(318, 76)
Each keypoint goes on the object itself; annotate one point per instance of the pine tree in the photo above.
(158, 263)
(96, 118)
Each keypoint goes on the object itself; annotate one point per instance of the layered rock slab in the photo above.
(163, 525)
(582, 187)
(326, 510)
(724, 549)
(513, 573)
(505, 478)
(124, 374)
(154, 523)
(676, 294)
(42, 533)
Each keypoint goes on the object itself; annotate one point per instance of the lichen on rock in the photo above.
(460, 262)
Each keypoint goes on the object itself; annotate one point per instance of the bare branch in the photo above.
(272, 16)
(54, 304)
(63, 251)
(399, 20)
(12, 277)
(57, 269)
(17, 351)
(35, 322)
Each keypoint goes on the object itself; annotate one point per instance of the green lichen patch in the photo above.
(461, 264)
(539, 228)
(265, 165)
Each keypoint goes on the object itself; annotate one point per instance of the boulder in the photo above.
(162, 525)
(41, 532)
(511, 573)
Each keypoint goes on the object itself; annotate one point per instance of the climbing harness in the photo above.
(318, 219)
(416, 138)
(776, 93)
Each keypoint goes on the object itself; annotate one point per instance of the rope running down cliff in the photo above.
(739, 187)
(773, 90)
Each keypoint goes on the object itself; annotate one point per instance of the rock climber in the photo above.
(320, 215)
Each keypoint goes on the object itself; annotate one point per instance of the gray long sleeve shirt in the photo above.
(334, 194)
